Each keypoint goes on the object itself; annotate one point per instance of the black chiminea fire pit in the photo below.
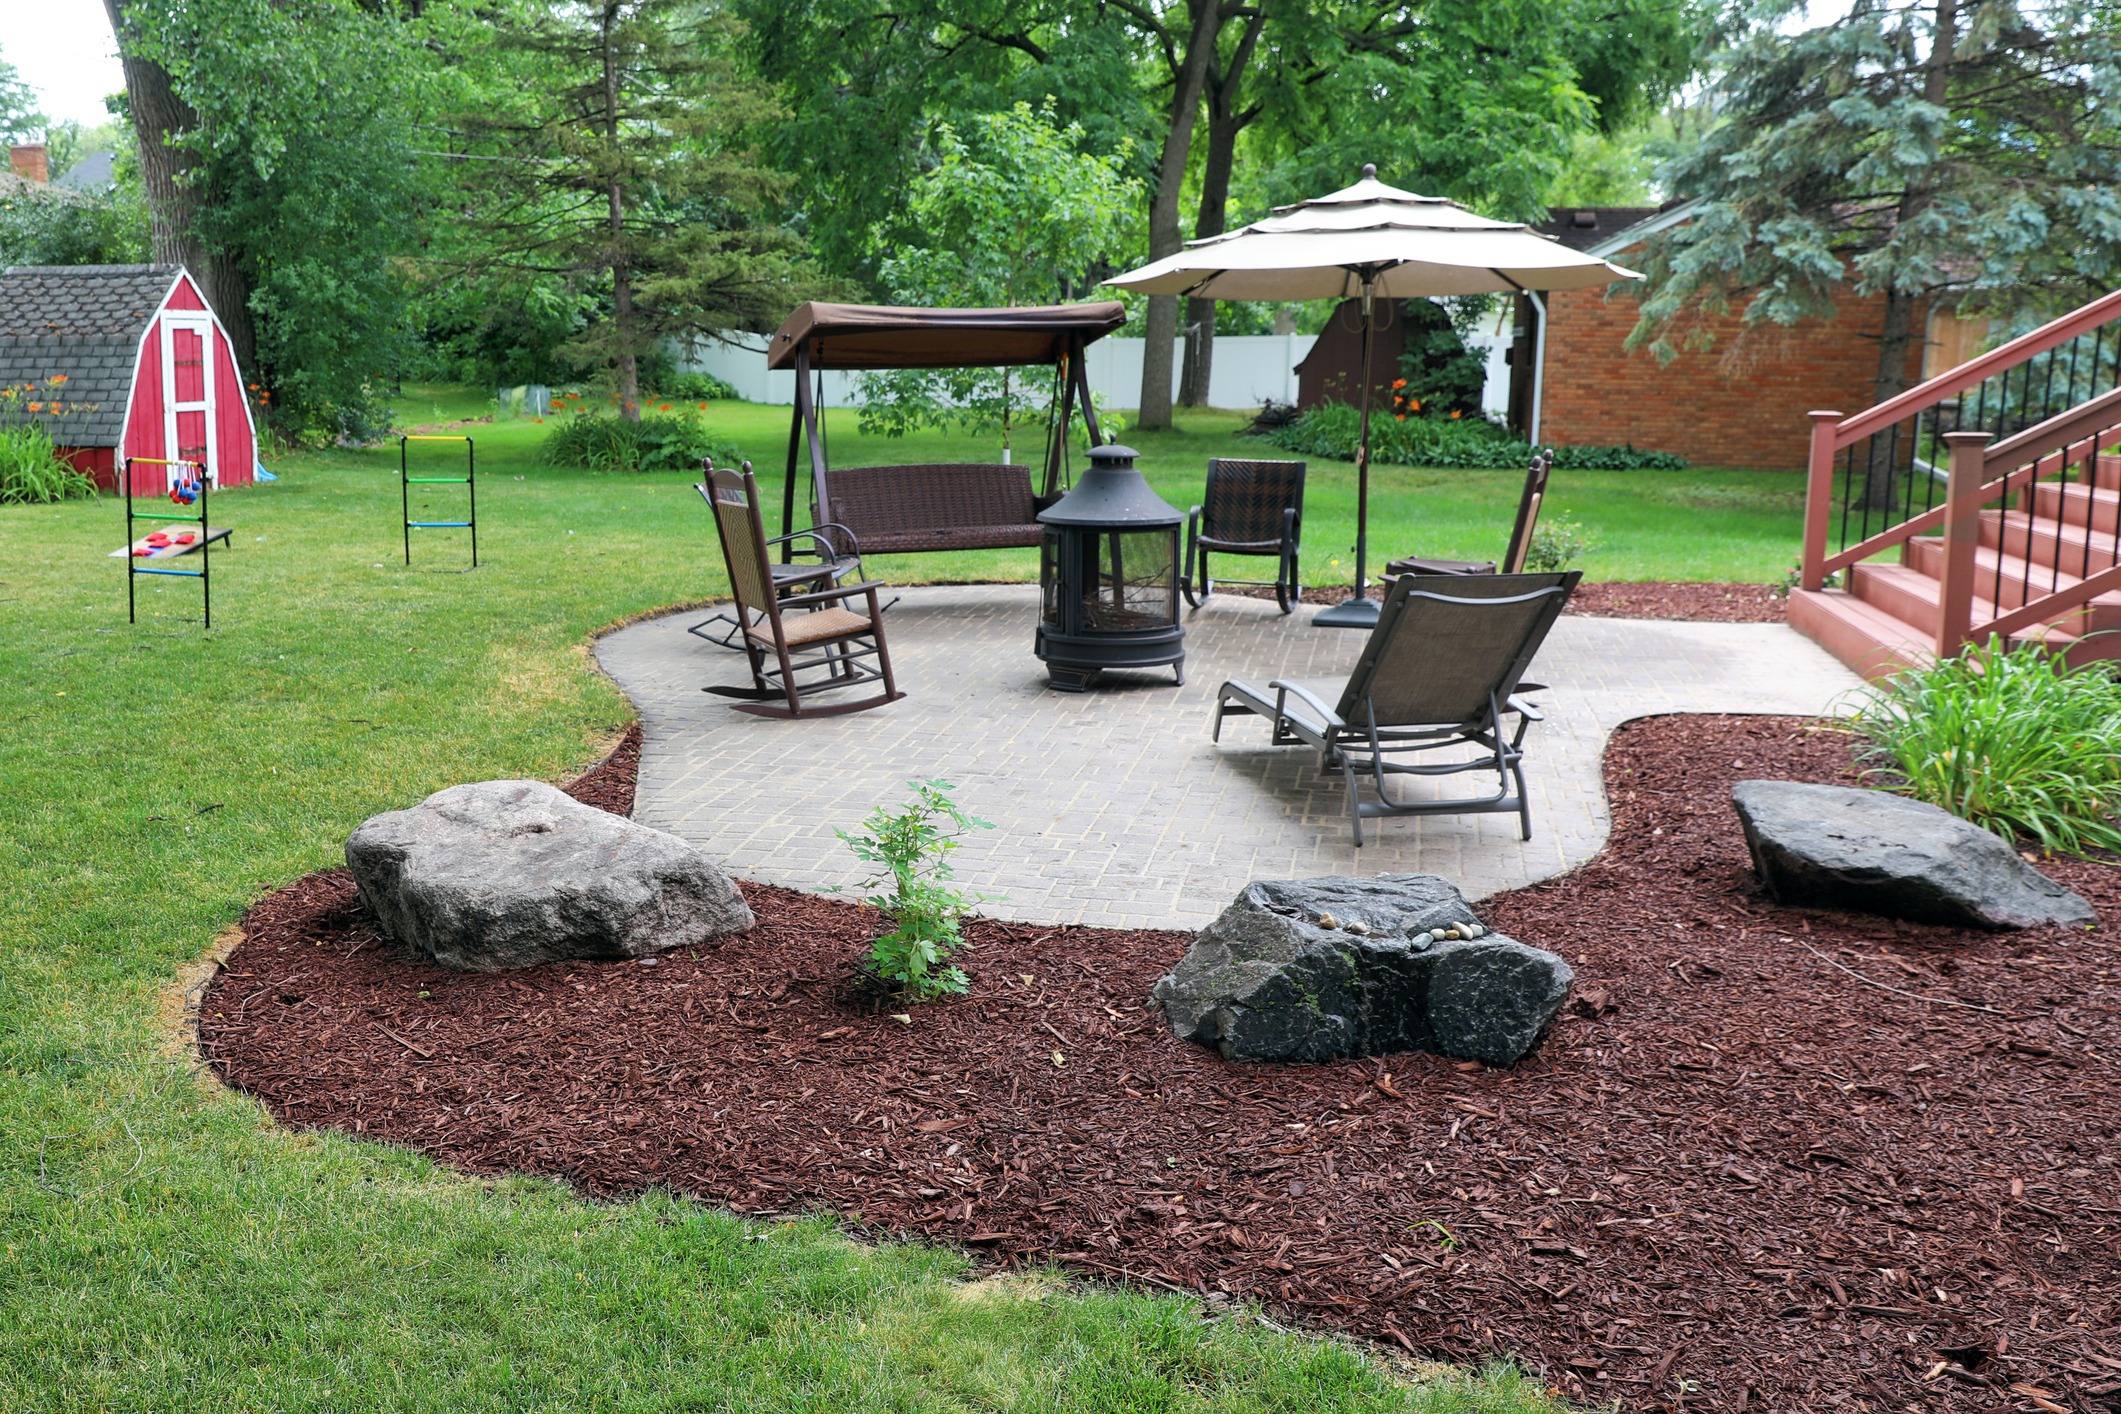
(1108, 576)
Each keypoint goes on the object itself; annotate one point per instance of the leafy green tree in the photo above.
(611, 147)
(275, 147)
(19, 118)
(865, 87)
(1013, 212)
(1960, 150)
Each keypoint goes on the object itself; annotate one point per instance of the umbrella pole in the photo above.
(1360, 611)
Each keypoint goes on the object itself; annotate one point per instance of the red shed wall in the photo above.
(99, 464)
(1735, 404)
(232, 436)
(143, 425)
(235, 450)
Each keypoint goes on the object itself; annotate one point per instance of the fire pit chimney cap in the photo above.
(1112, 495)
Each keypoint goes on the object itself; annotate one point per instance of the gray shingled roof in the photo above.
(84, 321)
(94, 174)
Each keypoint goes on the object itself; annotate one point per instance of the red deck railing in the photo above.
(2024, 424)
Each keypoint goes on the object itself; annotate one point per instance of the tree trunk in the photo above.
(174, 197)
(1224, 124)
(626, 364)
(1165, 237)
(1887, 462)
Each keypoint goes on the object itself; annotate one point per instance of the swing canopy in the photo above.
(857, 336)
(933, 506)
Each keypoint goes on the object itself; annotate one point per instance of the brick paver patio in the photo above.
(1113, 807)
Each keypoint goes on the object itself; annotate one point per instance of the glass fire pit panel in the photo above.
(1049, 577)
(1137, 581)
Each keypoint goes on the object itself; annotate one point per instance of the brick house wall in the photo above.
(1741, 403)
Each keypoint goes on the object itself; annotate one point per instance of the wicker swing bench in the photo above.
(894, 510)
(933, 506)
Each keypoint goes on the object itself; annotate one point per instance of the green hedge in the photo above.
(1329, 430)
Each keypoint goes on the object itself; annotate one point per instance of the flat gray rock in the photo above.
(506, 874)
(1875, 852)
(1319, 969)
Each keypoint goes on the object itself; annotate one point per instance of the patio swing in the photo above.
(885, 510)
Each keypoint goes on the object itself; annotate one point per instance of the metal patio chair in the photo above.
(845, 645)
(1250, 508)
(816, 563)
(1535, 490)
(1438, 674)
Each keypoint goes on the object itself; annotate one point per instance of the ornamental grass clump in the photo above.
(2009, 738)
(913, 845)
(33, 473)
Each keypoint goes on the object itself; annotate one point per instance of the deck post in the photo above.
(1962, 536)
(1818, 499)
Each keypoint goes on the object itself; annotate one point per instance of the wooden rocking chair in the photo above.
(839, 640)
(1535, 490)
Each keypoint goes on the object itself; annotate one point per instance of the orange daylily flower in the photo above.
(1455, 416)
(1399, 382)
(59, 377)
(1400, 415)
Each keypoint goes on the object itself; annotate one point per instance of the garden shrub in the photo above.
(913, 845)
(660, 441)
(1330, 430)
(696, 387)
(1557, 542)
(2007, 737)
(33, 473)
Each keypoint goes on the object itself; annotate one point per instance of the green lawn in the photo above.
(164, 1246)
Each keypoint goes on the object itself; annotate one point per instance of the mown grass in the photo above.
(163, 1246)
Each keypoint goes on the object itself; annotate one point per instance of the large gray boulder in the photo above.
(1318, 969)
(1875, 852)
(506, 874)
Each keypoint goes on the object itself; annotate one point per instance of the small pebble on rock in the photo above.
(1327, 920)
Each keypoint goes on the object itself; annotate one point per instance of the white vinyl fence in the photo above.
(1249, 369)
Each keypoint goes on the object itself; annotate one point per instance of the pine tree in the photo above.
(610, 145)
(1955, 150)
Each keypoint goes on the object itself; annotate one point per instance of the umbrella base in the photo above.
(1354, 613)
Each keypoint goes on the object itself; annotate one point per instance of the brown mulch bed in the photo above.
(1732, 1163)
(1619, 599)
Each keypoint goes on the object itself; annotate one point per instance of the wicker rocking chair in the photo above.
(840, 628)
(1251, 508)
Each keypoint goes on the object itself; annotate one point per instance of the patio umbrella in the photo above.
(1379, 242)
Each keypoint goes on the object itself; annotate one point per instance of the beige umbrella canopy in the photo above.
(1377, 242)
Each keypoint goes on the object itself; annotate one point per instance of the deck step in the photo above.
(1916, 599)
(1866, 638)
(2020, 579)
(2047, 542)
(2074, 503)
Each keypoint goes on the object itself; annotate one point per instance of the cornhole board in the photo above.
(168, 552)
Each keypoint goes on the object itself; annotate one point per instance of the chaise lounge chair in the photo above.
(1438, 674)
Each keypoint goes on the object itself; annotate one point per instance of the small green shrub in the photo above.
(913, 845)
(658, 442)
(33, 473)
(1331, 430)
(2008, 738)
(1557, 542)
(695, 387)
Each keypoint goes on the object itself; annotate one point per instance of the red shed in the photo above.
(149, 370)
